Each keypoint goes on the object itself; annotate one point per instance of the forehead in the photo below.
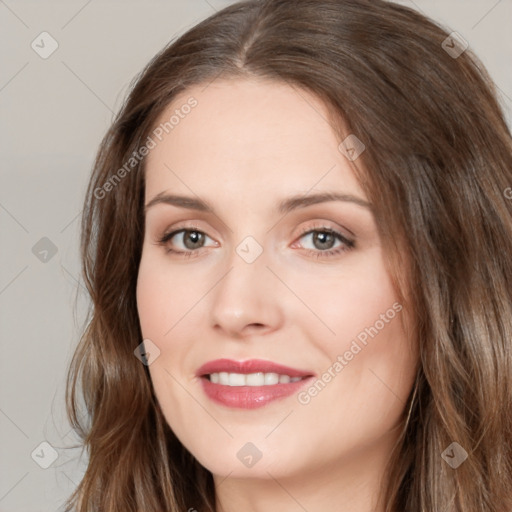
(245, 135)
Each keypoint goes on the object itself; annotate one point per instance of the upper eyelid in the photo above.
(304, 231)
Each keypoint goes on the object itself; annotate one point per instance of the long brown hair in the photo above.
(437, 163)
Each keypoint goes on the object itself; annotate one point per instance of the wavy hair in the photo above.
(437, 167)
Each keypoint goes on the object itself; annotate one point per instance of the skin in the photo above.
(247, 145)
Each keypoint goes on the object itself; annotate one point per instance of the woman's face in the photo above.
(269, 271)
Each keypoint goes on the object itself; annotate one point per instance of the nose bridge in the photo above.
(248, 273)
(246, 294)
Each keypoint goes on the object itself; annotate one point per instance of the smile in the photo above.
(251, 379)
(249, 384)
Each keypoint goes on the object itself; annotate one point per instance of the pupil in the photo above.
(323, 238)
(196, 238)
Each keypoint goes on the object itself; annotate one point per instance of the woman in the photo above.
(297, 243)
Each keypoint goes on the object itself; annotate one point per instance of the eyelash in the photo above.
(329, 253)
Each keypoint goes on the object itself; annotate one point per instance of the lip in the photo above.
(249, 366)
(249, 397)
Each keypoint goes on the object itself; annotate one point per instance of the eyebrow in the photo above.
(285, 206)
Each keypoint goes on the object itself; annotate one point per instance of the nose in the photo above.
(247, 300)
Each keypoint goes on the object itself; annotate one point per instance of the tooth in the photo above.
(236, 379)
(250, 379)
(271, 378)
(255, 379)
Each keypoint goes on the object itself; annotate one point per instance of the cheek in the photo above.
(377, 360)
(367, 349)
(162, 297)
(157, 292)
(150, 296)
(352, 302)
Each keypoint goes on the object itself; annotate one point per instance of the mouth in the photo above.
(249, 384)
(250, 379)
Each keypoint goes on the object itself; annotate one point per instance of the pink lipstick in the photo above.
(250, 384)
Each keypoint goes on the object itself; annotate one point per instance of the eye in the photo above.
(188, 242)
(191, 239)
(323, 241)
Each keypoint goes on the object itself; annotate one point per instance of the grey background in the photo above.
(54, 113)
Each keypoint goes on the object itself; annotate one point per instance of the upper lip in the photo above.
(249, 366)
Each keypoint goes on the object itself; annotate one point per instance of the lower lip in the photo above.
(250, 397)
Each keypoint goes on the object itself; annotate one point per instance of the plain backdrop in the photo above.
(54, 112)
